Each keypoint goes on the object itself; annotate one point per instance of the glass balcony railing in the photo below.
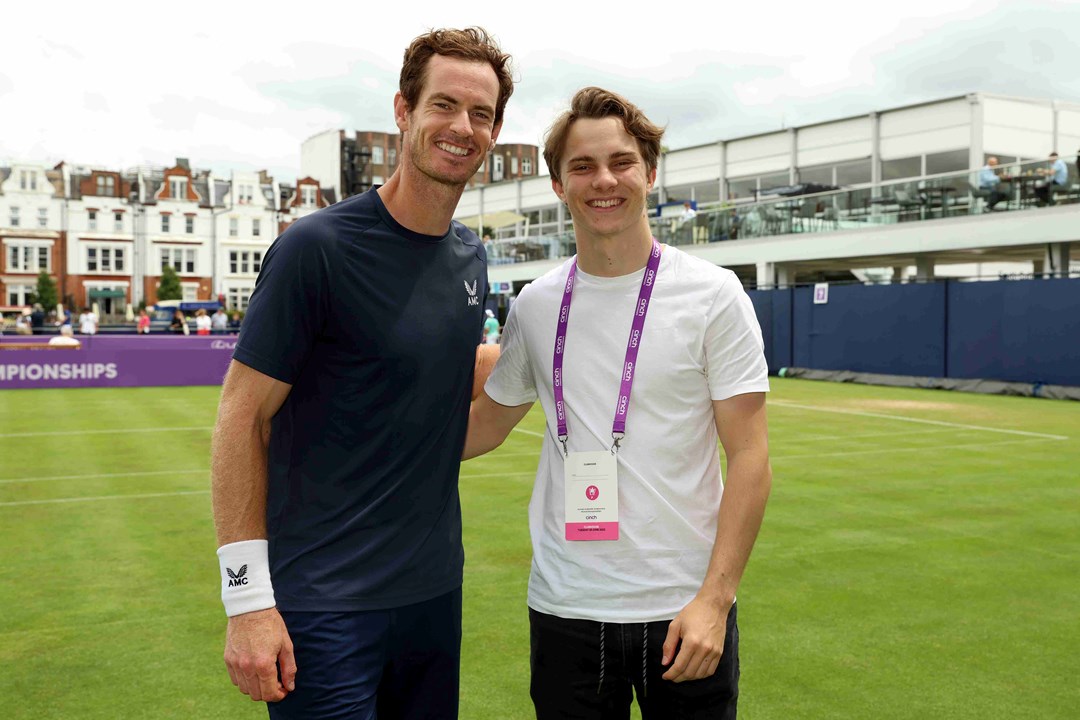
(785, 211)
(1021, 186)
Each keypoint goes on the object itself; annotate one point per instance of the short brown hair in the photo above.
(469, 44)
(596, 103)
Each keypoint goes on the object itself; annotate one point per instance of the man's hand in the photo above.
(256, 645)
(701, 627)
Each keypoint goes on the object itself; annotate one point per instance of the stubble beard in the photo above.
(424, 165)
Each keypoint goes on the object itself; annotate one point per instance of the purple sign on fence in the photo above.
(115, 361)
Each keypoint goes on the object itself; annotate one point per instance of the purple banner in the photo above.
(115, 361)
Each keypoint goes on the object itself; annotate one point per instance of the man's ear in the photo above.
(557, 187)
(652, 180)
(495, 130)
(401, 112)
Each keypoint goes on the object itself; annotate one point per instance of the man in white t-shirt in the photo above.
(641, 356)
(88, 322)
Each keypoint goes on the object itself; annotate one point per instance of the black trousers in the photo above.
(398, 664)
(579, 674)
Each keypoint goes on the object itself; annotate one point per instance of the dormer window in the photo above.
(27, 180)
(307, 195)
(106, 185)
(178, 188)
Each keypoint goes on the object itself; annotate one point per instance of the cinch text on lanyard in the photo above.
(633, 343)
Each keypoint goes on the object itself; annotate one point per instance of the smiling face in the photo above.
(604, 180)
(451, 129)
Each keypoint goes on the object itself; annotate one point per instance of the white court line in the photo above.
(8, 481)
(102, 497)
(802, 438)
(528, 432)
(925, 448)
(903, 418)
(94, 498)
(104, 432)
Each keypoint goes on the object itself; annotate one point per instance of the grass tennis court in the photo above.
(920, 558)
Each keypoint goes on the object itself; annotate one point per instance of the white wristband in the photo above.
(245, 577)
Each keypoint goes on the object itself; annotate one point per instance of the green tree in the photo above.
(169, 289)
(46, 293)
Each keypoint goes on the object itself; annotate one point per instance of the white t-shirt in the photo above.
(88, 323)
(701, 342)
(203, 322)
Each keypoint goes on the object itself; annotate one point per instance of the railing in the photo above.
(1023, 185)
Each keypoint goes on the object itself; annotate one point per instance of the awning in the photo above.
(101, 294)
(491, 221)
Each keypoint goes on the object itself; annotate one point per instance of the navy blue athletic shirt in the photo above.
(376, 328)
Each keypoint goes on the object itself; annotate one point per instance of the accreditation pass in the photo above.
(592, 496)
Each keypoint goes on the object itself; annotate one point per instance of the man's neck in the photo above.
(419, 203)
(612, 256)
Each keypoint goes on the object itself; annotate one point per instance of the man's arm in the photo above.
(702, 624)
(489, 424)
(256, 643)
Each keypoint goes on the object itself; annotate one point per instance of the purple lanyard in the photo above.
(618, 428)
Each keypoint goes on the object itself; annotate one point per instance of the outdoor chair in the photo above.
(909, 206)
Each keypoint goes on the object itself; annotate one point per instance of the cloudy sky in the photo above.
(234, 85)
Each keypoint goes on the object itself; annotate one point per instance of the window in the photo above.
(27, 180)
(392, 155)
(526, 166)
(944, 162)
(255, 228)
(26, 257)
(377, 155)
(238, 297)
(234, 227)
(178, 188)
(191, 292)
(20, 294)
(244, 194)
(307, 195)
(43, 217)
(164, 223)
(118, 221)
(513, 167)
(821, 175)
(189, 224)
(106, 185)
(856, 172)
(741, 189)
(242, 262)
(14, 216)
(901, 168)
(496, 168)
(91, 220)
(104, 259)
(182, 260)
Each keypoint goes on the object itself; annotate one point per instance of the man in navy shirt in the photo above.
(343, 418)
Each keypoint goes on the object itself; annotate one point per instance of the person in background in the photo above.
(990, 181)
(88, 322)
(1057, 175)
(142, 326)
(179, 323)
(638, 542)
(22, 323)
(203, 323)
(65, 338)
(234, 322)
(37, 317)
(337, 447)
(219, 321)
(491, 328)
